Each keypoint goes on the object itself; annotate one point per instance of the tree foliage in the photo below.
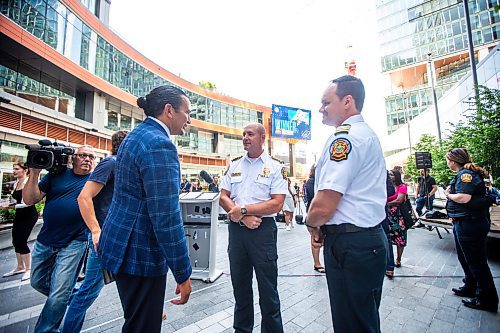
(480, 135)
(208, 85)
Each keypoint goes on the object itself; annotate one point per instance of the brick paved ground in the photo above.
(419, 299)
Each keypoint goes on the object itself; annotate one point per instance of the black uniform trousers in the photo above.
(470, 241)
(249, 250)
(355, 264)
(142, 301)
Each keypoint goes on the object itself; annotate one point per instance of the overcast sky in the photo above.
(262, 51)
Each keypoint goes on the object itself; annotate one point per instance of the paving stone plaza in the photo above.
(418, 299)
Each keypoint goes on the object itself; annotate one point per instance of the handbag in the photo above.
(408, 214)
(299, 218)
(280, 217)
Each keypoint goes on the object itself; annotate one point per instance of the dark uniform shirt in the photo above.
(466, 182)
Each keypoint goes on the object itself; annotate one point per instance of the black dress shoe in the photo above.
(464, 292)
(475, 303)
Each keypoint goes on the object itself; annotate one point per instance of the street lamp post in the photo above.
(434, 96)
(472, 58)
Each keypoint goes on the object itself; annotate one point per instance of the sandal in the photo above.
(319, 269)
(13, 272)
(398, 263)
(389, 274)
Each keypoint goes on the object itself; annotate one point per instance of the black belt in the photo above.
(468, 218)
(267, 218)
(343, 228)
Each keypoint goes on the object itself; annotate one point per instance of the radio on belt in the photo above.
(200, 213)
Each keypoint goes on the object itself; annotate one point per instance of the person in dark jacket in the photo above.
(309, 194)
(467, 206)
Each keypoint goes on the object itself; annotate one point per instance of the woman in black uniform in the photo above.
(24, 221)
(467, 206)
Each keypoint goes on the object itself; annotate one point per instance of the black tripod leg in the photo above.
(439, 234)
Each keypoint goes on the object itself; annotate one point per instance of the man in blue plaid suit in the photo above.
(143, 234)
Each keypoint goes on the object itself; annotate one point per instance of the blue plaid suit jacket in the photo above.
(143, 234)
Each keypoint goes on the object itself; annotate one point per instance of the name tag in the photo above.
(236, 174)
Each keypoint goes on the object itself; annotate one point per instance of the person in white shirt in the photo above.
(348, 208)
(253, 191)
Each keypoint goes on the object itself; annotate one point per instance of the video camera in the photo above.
(52, 156)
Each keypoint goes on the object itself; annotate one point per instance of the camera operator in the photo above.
(61, 243)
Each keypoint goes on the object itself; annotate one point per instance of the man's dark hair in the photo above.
(116, 140)
(154, 102)
(351, 85)
(397, 177)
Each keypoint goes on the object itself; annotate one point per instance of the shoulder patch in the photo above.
(466, 178)
(236, 158)
(277, 159)
(340, 149)
(343, 129)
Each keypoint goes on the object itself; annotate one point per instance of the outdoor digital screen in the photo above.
(291, 123)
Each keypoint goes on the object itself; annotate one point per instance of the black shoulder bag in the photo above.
(407, 213)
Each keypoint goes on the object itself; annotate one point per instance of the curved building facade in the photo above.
(65, 75)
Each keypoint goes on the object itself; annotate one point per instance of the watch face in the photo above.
(243, 211)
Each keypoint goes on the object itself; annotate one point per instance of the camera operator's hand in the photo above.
(31, 191)
(35, 172)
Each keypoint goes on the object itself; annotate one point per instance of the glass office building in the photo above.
(64, 75)
(419, 36)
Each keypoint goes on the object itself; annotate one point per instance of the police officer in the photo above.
(349, 206)
(253, 191)
(467, 206)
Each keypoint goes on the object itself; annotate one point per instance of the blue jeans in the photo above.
(53, 273)
(86, 294)
(421, 202)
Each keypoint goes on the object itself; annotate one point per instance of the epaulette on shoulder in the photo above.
(277, 159)
(236, 158)
(343, 129)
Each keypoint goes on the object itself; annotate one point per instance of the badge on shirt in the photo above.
(265, 173)
(283, 173)
(340, 149)
(236, 174)
(466, 178)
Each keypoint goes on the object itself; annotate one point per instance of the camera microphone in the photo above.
(45, 142)
(206, 177)
(32, 146)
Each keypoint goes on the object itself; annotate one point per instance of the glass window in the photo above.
(73, 38)
(485, 19)
(125, 122)
(482, 4)
(112, 121)
(487, 35)
(33, 17)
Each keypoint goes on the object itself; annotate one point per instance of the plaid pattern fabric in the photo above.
(143, 233)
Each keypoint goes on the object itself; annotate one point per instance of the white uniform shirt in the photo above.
(253, 181)
(353, 164)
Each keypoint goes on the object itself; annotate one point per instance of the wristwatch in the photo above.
(243, 210)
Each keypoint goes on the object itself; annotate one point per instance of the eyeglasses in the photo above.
(84, 156)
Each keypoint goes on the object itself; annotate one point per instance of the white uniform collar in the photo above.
(162, 125)
(262, 156)
(357, 118)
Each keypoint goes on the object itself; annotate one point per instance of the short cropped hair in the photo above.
(351, 85)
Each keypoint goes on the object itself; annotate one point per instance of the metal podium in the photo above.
(200, 213)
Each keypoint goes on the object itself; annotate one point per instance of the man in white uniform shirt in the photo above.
(253, 191)
(347, 209)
